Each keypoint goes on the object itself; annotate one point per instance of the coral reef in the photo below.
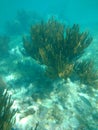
(63, 104)
(56, 47)
(6, 113)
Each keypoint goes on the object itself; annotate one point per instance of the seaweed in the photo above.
(56, 46)
(7, 119)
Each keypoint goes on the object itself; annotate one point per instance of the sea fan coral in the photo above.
(86, 72)
(56, 46)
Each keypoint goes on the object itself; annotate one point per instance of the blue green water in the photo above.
(74, 11)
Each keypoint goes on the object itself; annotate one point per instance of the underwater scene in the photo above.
(49, 65)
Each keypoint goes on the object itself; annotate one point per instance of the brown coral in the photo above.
(56, 46)
(87, 72)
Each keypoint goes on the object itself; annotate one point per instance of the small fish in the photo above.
(85, 100)
(2, 86)
(79, 109)
(2, 83)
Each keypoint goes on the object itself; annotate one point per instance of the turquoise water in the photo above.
(74, 11)
(49, 87)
